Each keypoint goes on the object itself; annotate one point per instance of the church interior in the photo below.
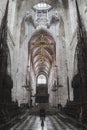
(43, 65)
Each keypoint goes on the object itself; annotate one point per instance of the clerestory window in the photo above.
(42, 6)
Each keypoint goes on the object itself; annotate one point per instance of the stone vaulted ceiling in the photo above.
(42, 53)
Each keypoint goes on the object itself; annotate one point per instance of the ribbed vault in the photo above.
(42, 50)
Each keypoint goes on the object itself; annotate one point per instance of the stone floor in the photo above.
(50, 123)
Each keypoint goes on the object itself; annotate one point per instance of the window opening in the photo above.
(42, 6)
(41, 79)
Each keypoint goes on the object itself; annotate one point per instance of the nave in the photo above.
(51, 122)
(43, 63)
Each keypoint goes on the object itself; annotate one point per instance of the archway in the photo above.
(42, 58)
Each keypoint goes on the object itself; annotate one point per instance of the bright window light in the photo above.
(41, 79)
(42, 6)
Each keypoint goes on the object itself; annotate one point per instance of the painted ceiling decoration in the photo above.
(42, 53)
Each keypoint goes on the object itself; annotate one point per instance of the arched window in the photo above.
(41, 79)
(42, 6)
